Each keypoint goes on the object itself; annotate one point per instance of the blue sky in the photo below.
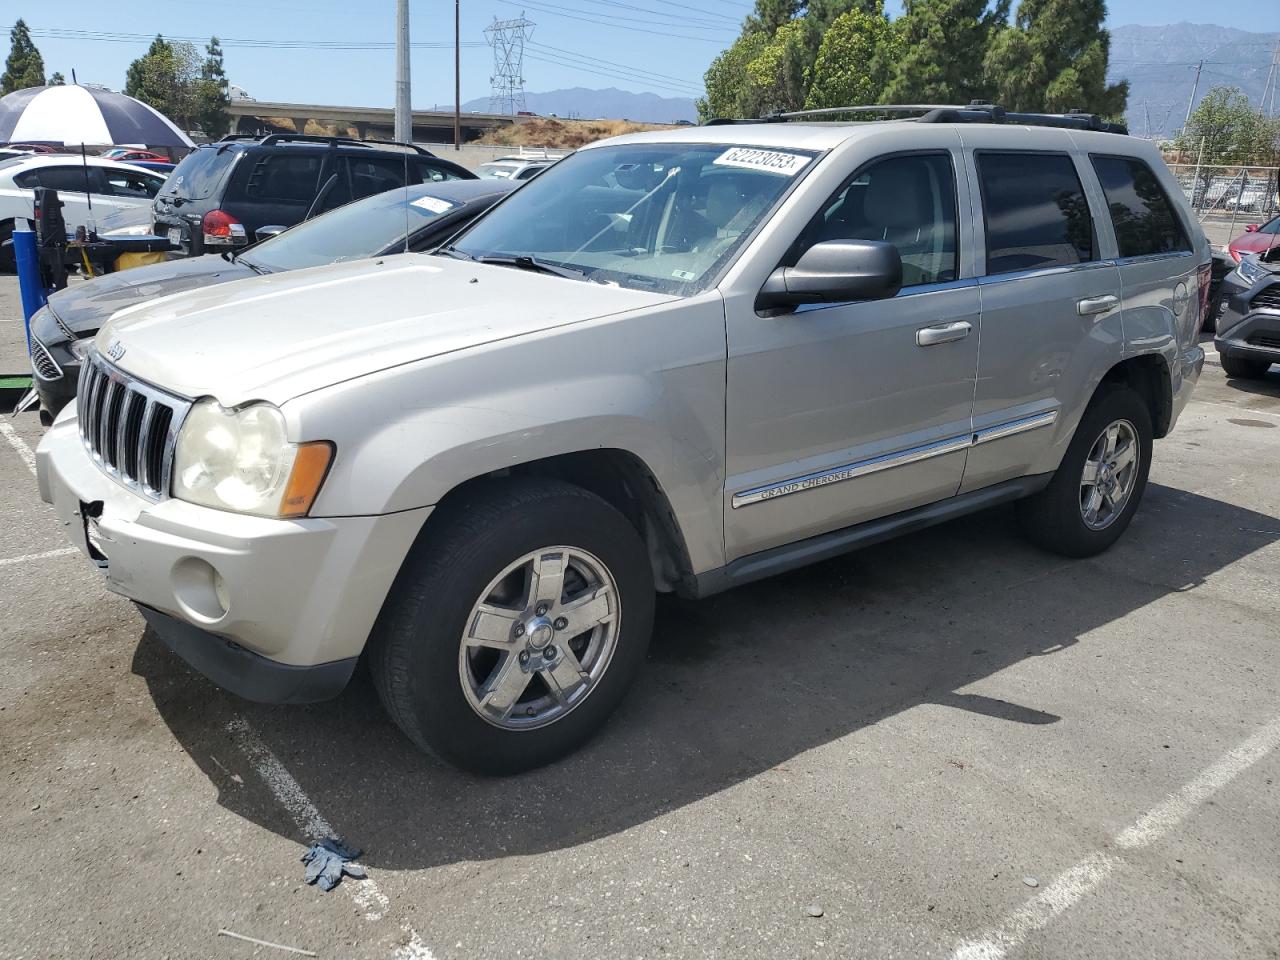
(658, 45)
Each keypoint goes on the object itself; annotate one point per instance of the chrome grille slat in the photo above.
(128, 426)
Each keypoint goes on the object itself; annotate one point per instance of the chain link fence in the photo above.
(1229, 198)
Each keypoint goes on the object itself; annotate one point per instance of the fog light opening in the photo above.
(200, 590)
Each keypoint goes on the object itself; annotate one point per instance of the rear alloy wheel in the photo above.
(1100, 481)
(516, 626)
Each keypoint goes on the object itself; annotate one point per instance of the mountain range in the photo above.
(612, 103)
(1158, 61)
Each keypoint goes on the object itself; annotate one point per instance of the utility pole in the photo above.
(1270, 86)
(404, 112)
(1194, 86)
(457, 75)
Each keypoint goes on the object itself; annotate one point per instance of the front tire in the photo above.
(516, 626)
(1097, 488)
(1244, 368)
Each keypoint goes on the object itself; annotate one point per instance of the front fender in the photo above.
(651, 385)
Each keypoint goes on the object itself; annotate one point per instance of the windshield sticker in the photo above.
(434, 204)
(684, 275)
(770, 161)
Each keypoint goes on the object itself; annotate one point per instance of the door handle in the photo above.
(1092, 305)
(945, 333)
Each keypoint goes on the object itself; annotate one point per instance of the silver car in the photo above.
(677, 361)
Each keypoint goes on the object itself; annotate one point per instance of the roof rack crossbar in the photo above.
(976, 111)
(272, 138)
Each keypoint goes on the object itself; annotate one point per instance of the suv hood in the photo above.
(279, 336)
(85, 307)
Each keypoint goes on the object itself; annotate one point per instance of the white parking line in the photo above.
(1087, 874)
(1237, 409)
(290, 795)
(60, 552)
(20, 445)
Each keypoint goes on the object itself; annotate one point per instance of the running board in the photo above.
(768, 563)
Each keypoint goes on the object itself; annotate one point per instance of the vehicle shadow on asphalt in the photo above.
(735, 685)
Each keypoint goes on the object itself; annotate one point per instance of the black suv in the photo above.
(222, 193)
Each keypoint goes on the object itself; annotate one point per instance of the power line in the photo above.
(583, 68)
(553, 11)
(59, 33)
(573, 54)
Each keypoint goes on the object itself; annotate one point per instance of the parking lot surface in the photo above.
(951, 745)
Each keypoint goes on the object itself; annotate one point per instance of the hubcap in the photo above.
(1110, 474)
(540, 638)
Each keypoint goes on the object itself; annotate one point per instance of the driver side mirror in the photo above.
(835, 271)
(1251, 228)
(266, 233)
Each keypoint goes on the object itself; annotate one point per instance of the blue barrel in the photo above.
(28, 258)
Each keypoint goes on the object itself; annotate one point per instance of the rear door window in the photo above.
(285, 178)
(433, 173)
(1144, 218)
(374, 176)
(66, 179)
(1035, 212)
(139, 186)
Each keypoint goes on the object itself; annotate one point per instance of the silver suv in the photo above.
(677, 361)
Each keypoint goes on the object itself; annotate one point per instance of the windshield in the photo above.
(351, 232)
(661, 217)
(496, 171)
(200, 173)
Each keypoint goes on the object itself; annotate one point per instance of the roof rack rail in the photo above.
(273, 138)
(977, 111)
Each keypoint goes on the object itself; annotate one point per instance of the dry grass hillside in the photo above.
(564, 134)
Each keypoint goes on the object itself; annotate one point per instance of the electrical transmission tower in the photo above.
(507, 37)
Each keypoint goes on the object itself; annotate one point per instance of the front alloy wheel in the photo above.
(539, 638)
(503, 645)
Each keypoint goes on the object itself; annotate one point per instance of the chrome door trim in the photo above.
(851, 471)
(1012, 427)
(862, 468)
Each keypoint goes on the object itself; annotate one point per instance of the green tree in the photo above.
(844, 71)
(728, 94)
(24, 67)
(769, 15)
(165, 78)
(777, 78)
(1054, 58)
(57, 80)
(942, 44)
(1231, 131)
(210, 94)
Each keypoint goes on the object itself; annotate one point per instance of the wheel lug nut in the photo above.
(519, 629)
(524, 656)
(561, 622)
(542, 609)
(550, 653)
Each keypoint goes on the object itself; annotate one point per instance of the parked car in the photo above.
(372, 227)
(112, 187)
(515, 168)
(131, 155)
(221, 193)
(1256, 238)
(1248, 333)
(677, 361)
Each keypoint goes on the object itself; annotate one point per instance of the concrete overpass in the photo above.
(429, 126)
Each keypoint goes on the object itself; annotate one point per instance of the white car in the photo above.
(115, 190)
(524, 167)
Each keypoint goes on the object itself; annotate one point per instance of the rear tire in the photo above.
(462, 624)
(1062, 517)
(8, 262)
(1243, 368)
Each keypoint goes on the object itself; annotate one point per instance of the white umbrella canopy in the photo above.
(74, 116)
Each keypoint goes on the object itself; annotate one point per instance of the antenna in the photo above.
(507, 37)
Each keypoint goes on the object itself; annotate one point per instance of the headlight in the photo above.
(241, 460)
(1251, 271)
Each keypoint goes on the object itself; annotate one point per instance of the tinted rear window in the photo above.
(1035, 211)
(201, 173)
(1144, 218)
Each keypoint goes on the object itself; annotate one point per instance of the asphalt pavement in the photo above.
(948, 746)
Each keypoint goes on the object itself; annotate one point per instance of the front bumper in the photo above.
(1245, 329)
(271, 609)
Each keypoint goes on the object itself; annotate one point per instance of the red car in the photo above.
(125, 155)
(1255, 239)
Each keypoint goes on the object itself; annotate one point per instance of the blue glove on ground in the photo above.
(328, 860)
